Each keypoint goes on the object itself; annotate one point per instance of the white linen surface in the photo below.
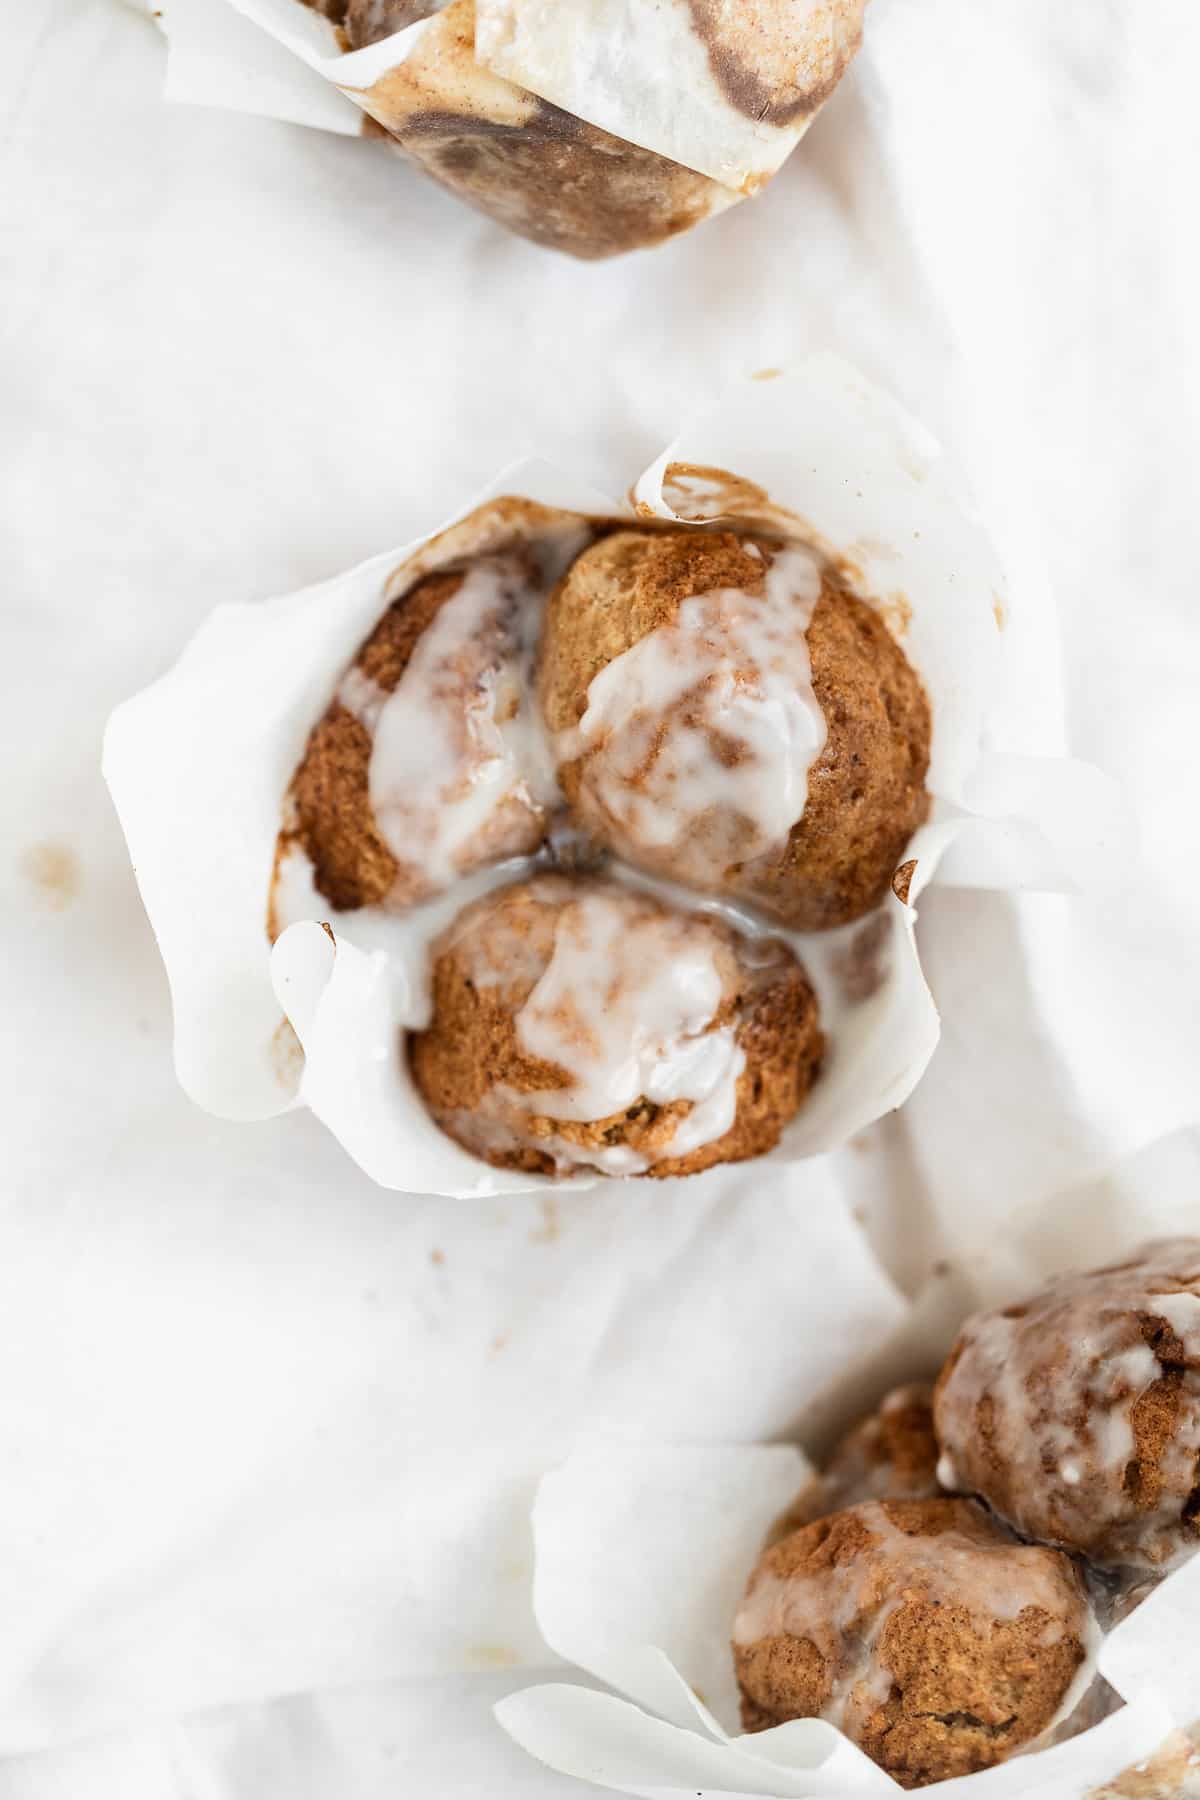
(263, 1428)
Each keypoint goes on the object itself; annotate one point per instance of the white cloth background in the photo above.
(238, 356)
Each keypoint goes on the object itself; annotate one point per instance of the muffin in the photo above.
(892, 1454)
(428, 764)
(918, 1627)
(537, 169)
(724, 711)
(1077, 1415)
(578, 1021)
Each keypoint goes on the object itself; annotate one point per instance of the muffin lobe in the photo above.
(892, 1454)
(582, 1022)
(1077, 1415)
(427, 764)
(935, 1642)
(725, 712)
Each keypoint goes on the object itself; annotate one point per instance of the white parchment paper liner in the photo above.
(642, 1555)
(667, 94)
(647, 71)
(198, 765)
(332, 1484)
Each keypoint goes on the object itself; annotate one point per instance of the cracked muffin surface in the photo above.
(920, 1628)
(1076, 1414)
(581, 1022)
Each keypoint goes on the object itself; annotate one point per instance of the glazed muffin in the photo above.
(892, 1454)
(723, 711)
(920, 1628)
(428, 763)
(1077, 1414)
(580, 1022)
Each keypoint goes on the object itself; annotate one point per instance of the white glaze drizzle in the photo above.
(403, 934)
(1062, 1377)
(459, 764)
(625, 1007)
(839, 1610)
(699, 738)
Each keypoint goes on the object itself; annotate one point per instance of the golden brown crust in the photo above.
(613, 595)
(774, 61)
(330, 811)
(898, 1437)
(470, 1049)
(892, 1454)
(949, 1684)
(1077, 1413)
(866, 790)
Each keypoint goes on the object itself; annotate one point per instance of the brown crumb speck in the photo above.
(902, 880)
(53, 872)
(550, 1229)
(286, 1055)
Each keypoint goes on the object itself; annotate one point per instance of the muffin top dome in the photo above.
(920, 1628)
(579, 1021)
(428, 763)
(724, 712)
(1076, 1415)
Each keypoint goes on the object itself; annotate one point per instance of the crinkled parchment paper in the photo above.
(198, 766)
(216, 1340)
